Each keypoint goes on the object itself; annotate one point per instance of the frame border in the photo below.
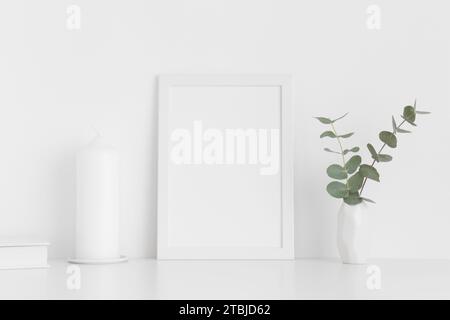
(286, 251)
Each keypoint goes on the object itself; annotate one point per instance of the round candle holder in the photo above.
(121, 259)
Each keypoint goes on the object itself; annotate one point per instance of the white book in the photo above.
(23, 255)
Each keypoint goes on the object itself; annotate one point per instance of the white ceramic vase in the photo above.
(353, 238)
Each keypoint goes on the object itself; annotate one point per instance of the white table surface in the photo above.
(299, 279)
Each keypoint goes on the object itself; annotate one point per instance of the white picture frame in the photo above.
(226, 203)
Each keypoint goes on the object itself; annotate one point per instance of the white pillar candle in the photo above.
(97, 216)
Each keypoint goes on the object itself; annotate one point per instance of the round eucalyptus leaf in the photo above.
(372, 152)
(336, 171)
(324, 120)
(354, 149)
(389, 138)
(329, 150)
(409, 114)
(369, 172)
(353, 164)
(328, 134)
(384, 158)
(347, 135)
(337, 189)
(355, 182)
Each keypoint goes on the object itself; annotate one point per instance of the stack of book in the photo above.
(16, 254)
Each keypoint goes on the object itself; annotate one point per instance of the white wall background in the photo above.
(56, 84)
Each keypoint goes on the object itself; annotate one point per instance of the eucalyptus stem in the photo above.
(379, 152)
(340, 146)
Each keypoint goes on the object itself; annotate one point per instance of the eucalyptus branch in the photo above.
(341, 172)
(340, 146)
(394, 132)
(352, 171)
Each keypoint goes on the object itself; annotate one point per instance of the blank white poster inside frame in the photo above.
(225, 167)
